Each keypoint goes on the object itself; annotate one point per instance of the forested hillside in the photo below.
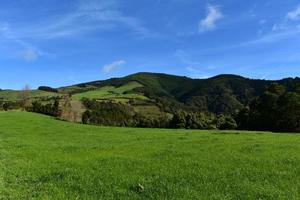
(168, 101)
(219, 94)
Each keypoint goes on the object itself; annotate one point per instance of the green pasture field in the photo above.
(14, 95)
(43, 158)
(111, 92)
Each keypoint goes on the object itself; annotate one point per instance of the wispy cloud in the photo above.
(289, 23)
(262, 22)
(283, 29)
(193, 70)
(294, 14)
(185, 58)
(84, 17)
(27, 52)
(213, 16)
(193, 66)
(270, 38)
(113, 66)
(29, 55)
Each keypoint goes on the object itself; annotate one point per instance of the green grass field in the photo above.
(14, 95)
(42, 158)
(111, 92)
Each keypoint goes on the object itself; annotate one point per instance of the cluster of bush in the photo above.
(275, 110)
(51, 109)
(106, 113)
(118, 114)
(24, 103)
(200, 120)
(9, 105)
(48, 89)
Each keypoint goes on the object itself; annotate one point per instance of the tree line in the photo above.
(118, 114)
(51, 109)
(274, 110)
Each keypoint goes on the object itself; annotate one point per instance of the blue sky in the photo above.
(62, 42)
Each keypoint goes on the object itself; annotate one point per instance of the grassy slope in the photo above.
(41, 158)
(13, 95)
(111, 92)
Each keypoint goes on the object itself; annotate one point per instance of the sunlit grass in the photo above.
(111, 92)
(43, 158)
(14, 95)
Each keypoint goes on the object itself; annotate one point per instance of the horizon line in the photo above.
(157, 73)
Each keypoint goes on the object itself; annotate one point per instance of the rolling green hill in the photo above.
(43, 158)
(220, 94)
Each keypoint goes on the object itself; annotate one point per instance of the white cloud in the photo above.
(29, 55)
(84, 17)
(212, 17)
(193, 70)
(31, 52)
(113, 66)
(294, 15)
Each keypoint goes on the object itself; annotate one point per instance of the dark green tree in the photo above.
(289, 113)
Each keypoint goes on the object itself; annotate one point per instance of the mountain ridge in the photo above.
(219, 76)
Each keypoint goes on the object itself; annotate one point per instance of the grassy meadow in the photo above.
(43, 158)
(14, 95)
(112, 93)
